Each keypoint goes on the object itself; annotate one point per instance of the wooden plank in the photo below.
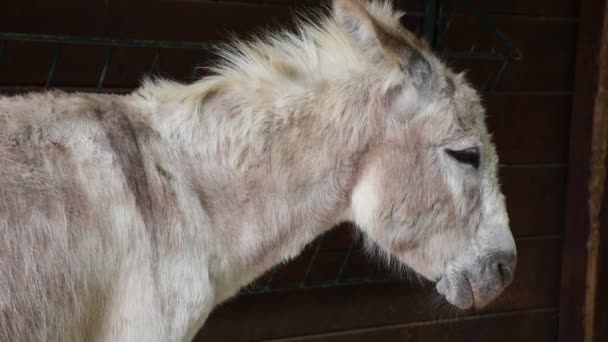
(574, 311)
(547, 48)
(55, 17)
(529, 127)
(596, 327)
(555, 8)
(535, 198)
(195, 21)
(410, 5)
(98, 16)
(537, 326)
(160, 19)
(601, 303)
(544, 9)
(316, 311)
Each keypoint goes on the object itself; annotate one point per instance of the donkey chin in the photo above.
(476, 282)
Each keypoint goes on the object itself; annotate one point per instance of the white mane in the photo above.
(317, 50)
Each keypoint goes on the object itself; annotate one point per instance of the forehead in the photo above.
(455, 117)
(464, 104)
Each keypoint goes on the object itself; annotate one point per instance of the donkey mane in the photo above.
(315, 49)
(309, 52)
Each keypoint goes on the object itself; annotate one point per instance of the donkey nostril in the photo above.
(506, 274)
(503, 266)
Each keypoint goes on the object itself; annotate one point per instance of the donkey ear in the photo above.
(355, 19)
(370, 34)
(376, 40)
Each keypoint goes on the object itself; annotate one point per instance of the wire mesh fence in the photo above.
(326, 263)
(337, 258)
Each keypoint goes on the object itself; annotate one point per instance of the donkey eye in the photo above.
(467, 156)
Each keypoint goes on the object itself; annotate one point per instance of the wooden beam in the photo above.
(580, 236)
(601, 301)
(527, 325)
(598, 273)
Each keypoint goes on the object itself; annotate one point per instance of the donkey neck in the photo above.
(275, 169)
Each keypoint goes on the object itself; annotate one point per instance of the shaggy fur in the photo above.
(131, 217)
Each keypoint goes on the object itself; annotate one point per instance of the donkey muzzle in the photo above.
(477, 283)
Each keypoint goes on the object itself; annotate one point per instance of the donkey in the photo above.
(130, 217)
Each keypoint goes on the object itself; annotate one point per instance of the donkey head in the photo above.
(428, 192)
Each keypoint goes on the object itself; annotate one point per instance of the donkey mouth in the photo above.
(465, 292)
(478, 283)
(457, 290)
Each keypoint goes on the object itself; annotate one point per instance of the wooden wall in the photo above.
(529, 115)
